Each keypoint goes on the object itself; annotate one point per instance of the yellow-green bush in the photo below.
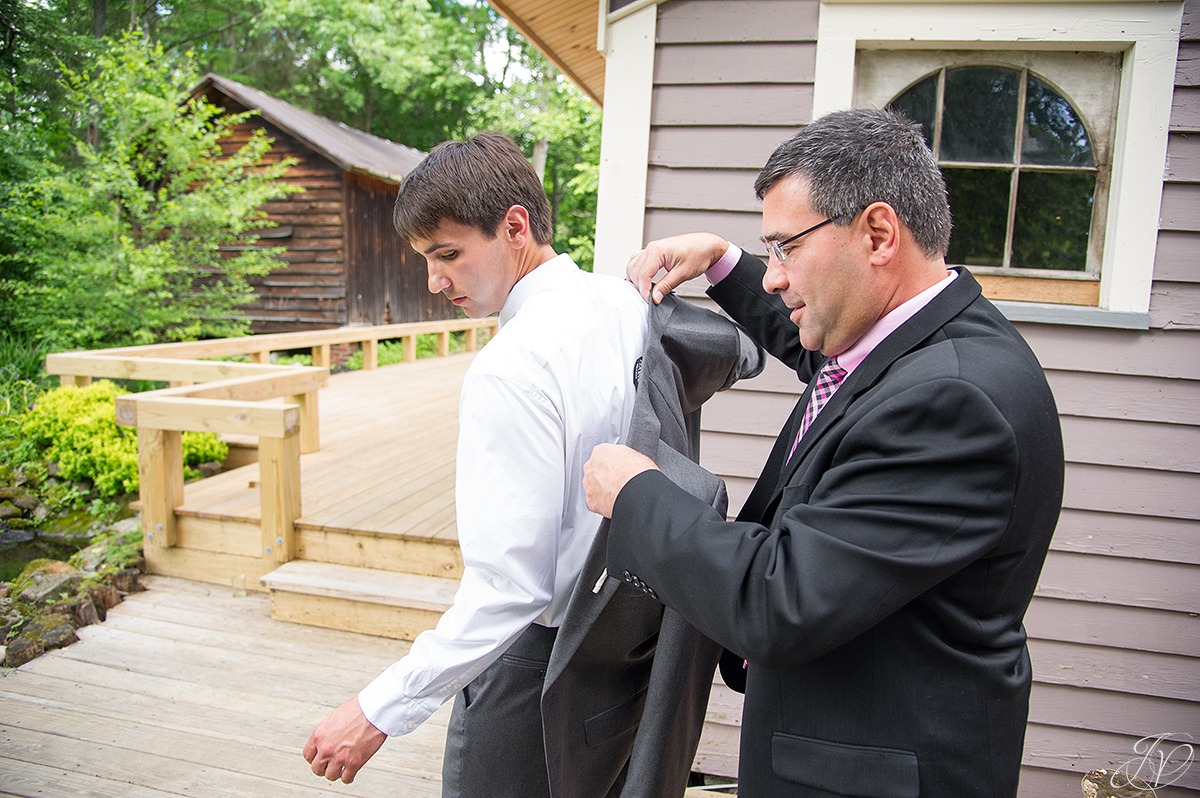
(77, 428)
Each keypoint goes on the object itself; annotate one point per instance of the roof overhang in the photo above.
(566, 33)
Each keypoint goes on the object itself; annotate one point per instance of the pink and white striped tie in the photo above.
(828, 380)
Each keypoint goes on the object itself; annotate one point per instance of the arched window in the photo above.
(1019, 166)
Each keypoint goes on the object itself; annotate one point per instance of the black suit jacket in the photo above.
(877, 583)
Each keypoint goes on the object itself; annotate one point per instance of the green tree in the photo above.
(414, 71)
(123, 245)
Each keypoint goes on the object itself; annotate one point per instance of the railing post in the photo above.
(472, 339)
(279, 495)
(322, 355)
(443, 344)
(370, 354)
(410, 348)
(310, 422)
(77, 380)
(261, 357)
(160, 483)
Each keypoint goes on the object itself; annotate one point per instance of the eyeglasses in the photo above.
(775, 248)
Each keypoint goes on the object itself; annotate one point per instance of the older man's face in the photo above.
(824, 277)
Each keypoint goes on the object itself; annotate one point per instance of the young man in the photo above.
(872, 590)
(555, 381)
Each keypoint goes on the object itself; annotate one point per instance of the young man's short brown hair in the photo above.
(474, 183)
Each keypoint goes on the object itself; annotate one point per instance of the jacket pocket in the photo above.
(617, 720)
(859, 770)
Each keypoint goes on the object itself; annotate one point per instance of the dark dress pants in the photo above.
(494, 744)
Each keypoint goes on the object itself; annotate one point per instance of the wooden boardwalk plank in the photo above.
(188, 691)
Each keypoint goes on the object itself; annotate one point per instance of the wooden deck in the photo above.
(186, 690)
(376, 554)
(379, 494)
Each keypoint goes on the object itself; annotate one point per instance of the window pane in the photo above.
(979, 203)
(1054, 215)
(1054, 134)
(919, 103)
(979, 120)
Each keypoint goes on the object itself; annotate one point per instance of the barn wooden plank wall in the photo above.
(310, 291)
(387, 282)
(1114, 628)
(343, 263)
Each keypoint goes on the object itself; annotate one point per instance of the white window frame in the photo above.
(1145, 33)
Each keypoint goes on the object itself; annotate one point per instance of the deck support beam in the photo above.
(160, 478)
(279, 495)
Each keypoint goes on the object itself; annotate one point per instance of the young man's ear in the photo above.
(515, 226)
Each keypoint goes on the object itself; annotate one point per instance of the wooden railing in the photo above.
(231, 398)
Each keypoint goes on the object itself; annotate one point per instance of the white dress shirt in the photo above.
(554, 382)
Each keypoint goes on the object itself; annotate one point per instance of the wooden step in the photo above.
(370, 601)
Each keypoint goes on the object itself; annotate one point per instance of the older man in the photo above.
(871, 592)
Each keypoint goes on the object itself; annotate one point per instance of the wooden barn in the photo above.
(344, 263)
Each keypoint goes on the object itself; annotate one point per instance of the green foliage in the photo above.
(76, 428)
(113, 208)
(413, 71)
(294, 359)
(122, 246)
(22, 358)
(121, 550)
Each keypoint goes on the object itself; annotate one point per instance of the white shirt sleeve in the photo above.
(509, 501)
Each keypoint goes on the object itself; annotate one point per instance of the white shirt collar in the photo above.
(548, 274)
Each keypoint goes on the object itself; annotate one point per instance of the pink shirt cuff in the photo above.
(721, 269)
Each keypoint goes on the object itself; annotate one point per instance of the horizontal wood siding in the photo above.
(308, 290)
(387, 279)
(1115, 625)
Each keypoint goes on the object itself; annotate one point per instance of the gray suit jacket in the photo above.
(627, 685)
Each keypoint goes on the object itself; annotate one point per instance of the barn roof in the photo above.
(351, 149)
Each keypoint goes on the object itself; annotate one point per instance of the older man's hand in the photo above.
(607, 471)
(683, 257)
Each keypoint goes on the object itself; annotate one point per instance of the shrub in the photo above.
(77, 428)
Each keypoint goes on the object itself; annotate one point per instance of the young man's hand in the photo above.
(342, 743)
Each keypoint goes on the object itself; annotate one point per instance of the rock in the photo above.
(10, 618)
(104, 598)
(19, 497)
(26, 501)
(41, 634)
(20, 651)
(127, 525)
(11, 537)
(209, 469)
(47, 586)
(9, 510)
(127, 581)
(79, 611)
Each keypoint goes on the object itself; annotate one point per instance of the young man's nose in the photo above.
(438, 282)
